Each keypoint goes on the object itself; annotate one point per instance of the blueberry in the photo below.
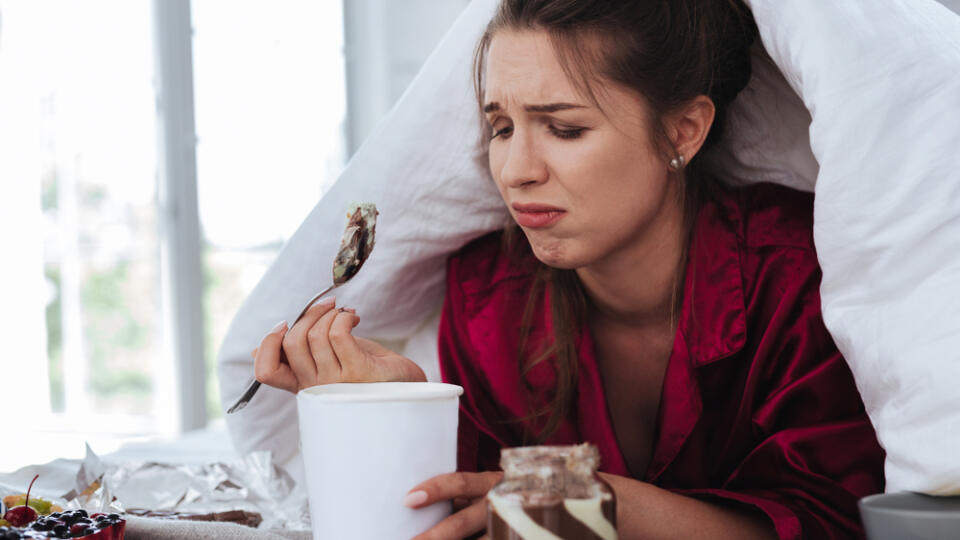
(61, 530)
(114, 517)
(82, 512)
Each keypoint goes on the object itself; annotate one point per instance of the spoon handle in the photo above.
(254, 384)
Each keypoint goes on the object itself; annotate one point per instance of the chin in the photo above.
(554, 253)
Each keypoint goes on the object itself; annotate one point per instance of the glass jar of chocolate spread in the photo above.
(549, 493)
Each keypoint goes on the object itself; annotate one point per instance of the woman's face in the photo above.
(580, 183)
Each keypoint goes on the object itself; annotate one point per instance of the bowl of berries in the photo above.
(42, 519)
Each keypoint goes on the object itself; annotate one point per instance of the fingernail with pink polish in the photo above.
(415, 499)
(279, 326)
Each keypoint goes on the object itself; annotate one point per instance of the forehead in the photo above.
(523, 66)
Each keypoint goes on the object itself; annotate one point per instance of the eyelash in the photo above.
(566, 133)
(502, 131)
(557, 132)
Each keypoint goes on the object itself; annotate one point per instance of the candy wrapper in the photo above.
(252, 486)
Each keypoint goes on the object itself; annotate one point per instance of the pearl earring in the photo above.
(677, 163)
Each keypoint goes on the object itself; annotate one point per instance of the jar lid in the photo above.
(579, 459)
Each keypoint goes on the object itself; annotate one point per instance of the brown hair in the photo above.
(669, 52)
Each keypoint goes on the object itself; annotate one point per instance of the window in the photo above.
(271, 102)
(88, 308)
(154, 157)
(81, 284)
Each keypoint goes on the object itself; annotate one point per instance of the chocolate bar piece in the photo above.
(241, 517)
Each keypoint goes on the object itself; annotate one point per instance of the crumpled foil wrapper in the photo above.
(91, 492)
(252, 484)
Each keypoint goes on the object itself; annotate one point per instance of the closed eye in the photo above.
(502, 132)
(571, 133)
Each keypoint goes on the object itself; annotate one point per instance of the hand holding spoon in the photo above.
(355, 247)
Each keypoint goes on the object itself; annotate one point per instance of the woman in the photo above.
(672, 322)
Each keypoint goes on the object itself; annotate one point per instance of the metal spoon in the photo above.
(355, 247)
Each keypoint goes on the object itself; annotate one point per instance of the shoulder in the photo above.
(487, 292)
(772, 226)
(488, 263)
(770, 216)
(778, 281)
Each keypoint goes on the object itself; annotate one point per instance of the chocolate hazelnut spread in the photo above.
(357, 242)
(550, 493)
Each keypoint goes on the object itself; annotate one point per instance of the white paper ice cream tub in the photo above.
(366, 445)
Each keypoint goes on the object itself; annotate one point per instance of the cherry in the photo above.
(21, 516)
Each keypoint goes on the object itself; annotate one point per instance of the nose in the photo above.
(522, 166)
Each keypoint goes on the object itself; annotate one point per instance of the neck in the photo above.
(635, 285)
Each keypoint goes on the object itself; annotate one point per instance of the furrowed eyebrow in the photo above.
(551, 107)
(548, 108)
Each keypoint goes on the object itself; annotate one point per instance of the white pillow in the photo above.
(882, 80)
(426, 169)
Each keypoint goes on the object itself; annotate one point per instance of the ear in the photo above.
(688, 127)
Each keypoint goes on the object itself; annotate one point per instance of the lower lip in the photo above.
(537, 220)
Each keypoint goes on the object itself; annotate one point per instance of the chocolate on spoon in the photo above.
(355, 247)
(357, 243)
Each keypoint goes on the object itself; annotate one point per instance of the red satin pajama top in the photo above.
(758, 406)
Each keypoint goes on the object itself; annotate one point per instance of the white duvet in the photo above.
(866, 113)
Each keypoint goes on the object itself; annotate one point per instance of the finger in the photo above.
(267, 367)
(347, 349)
(295, 343)
(356, 318)
(468, 521)
(451, 486)
(253, 353)
(326, 363)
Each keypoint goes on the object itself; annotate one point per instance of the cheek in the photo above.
(622, 168)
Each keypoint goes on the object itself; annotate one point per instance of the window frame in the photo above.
(180, 234)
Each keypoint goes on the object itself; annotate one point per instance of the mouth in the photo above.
(537, 216)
